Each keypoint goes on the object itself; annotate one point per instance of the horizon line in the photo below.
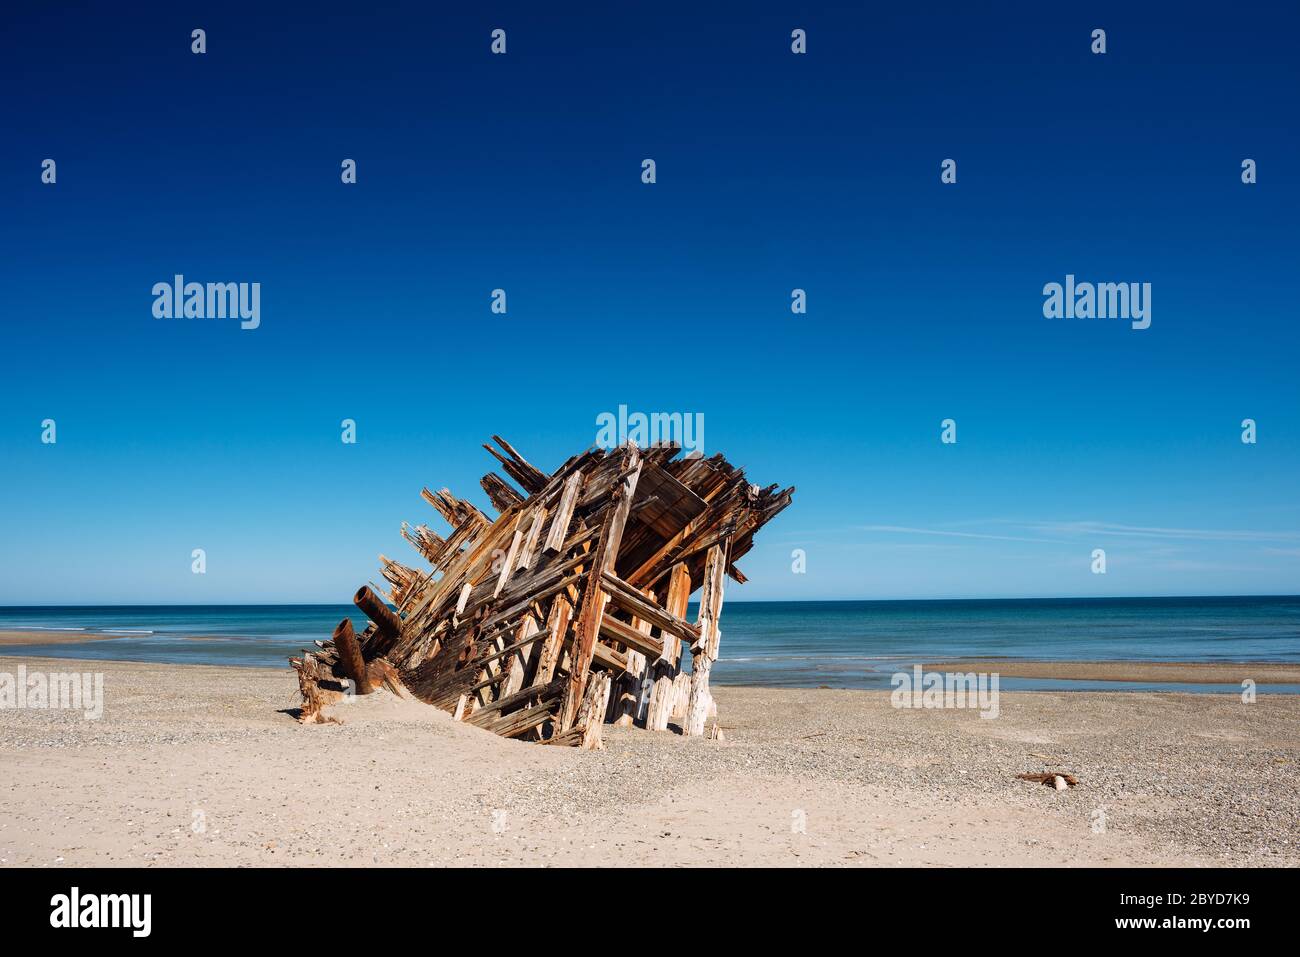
(752, 601)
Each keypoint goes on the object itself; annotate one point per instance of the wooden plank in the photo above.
(632, 689)
(563, 515)
(530, 479)
(532, 597)
(502, 495)
(630, 600)
(591, 713)
(528, 588)
(461, 536)
(521, 722)
(638, 639)
(664, 503)
(517, 660)
(427, 543)
(453, 509)
(665, 670)
(508, 563)
(607, 657)
(705, 650)
(528, 552)
(491, 680)
(471, 562)
(679, 599)
(524, 642)
(593, 595)
(480, 716)
(557, 627)
(681, 696)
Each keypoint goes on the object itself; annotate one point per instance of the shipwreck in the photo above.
(566, 611)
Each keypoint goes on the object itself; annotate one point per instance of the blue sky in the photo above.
(775, 171)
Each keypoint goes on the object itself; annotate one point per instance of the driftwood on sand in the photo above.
(1057, 779)
(566, 611)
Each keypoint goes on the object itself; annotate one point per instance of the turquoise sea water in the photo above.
(846, 644)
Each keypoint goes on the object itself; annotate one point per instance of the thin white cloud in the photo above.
(1069, 533)
(906, 530)
(1146, 531)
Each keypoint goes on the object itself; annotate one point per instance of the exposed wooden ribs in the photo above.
(501, 494)
(566, 611)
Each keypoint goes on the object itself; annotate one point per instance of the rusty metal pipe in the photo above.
(387, 625)
(350, 660)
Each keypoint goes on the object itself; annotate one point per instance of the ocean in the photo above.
(839, 644)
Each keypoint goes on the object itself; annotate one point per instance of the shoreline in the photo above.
(1177, 779)
(1119, 670)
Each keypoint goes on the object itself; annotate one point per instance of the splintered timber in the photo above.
(565, 612)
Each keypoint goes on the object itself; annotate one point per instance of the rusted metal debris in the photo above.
(569, 609)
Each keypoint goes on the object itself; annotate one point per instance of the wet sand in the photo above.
(51, 637)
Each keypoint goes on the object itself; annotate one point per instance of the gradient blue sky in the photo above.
(775, 171)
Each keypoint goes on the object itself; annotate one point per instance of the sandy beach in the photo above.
(193, 765)
(1185, 672)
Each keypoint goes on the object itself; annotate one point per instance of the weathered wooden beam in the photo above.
(517, 661)
(427, 543)
(528, 551)
(521, 722)
(522, 643)
(453, 509)
(530, 587)
(705, 650)
(638, 639)
(630, 600)
(405, 580)
(501, 494)
(666, 669)
(508, 563)
(486, 682)
(629, 699)
(470, 564)
(591, 713)
(563, 515)
(530, 478)
(678, 601)
(480, 716)
(557, 627)
(607, 657)
(593, 595)
(532, 596)
(461, 536)
(722, 501)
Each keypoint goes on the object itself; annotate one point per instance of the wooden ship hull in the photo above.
(567, 610)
